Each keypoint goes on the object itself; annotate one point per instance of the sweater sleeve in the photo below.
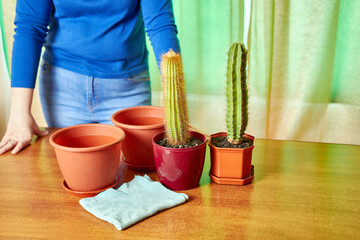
(31, 21)
(160, 26)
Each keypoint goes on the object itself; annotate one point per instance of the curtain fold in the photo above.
(206, 31)
(303, 70)
(4, 77)
(3, 37)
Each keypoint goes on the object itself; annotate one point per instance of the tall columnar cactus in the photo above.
(236, 93)
(176, 115)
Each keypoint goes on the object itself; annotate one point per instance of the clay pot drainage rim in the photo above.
(120, 132)
(89, 193)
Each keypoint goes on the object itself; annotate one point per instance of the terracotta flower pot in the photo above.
(140, 125)
(231, 165)
(179, 169)
(88, 155)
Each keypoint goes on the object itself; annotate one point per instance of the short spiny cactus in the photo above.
(236, 93)
(176, 116)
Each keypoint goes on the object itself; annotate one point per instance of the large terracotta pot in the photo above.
(179, 169)
(140, 125)
(231, 165)
(88, 155)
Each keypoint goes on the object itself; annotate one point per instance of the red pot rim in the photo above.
(138, 127)
(87, 149)
(181, 149)
(248, 136)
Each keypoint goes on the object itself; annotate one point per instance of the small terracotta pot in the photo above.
(88, 155)
(231, 165)
(140, 125)
(179, 169)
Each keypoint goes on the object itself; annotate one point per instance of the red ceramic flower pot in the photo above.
(140, 125)
(88, 155)
(231, 165)
(179, 169)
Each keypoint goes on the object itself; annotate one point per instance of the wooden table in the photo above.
(300, 191)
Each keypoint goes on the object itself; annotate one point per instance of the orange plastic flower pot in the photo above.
(88, 155)
(231, 165)
(140, 125)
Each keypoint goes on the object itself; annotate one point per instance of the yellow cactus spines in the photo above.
(176, 114)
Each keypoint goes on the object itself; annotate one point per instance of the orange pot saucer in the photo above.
(90, 193)
(234, 181)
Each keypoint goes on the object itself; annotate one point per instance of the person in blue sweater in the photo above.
(95, 61)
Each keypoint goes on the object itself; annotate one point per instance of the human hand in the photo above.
(19, 133)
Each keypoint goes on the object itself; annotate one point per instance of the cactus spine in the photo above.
(176, 116)
(236, 91)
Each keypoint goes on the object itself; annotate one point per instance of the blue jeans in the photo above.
(70, 98)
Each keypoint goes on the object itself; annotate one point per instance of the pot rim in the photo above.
(231, 149)
(86, 149)
(180, 149)
(138, 127)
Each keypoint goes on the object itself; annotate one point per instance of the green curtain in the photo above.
(4, 45)
(4, 77)
(206, 30)
(304, 70)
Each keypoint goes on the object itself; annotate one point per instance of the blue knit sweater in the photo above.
(104, 39)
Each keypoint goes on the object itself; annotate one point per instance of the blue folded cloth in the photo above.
(132, 202)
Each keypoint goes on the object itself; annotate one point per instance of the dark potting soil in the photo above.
(222, 142)
(192, 143)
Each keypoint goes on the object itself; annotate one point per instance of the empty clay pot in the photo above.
(179, 169)
(88, 155)
(140, 125)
